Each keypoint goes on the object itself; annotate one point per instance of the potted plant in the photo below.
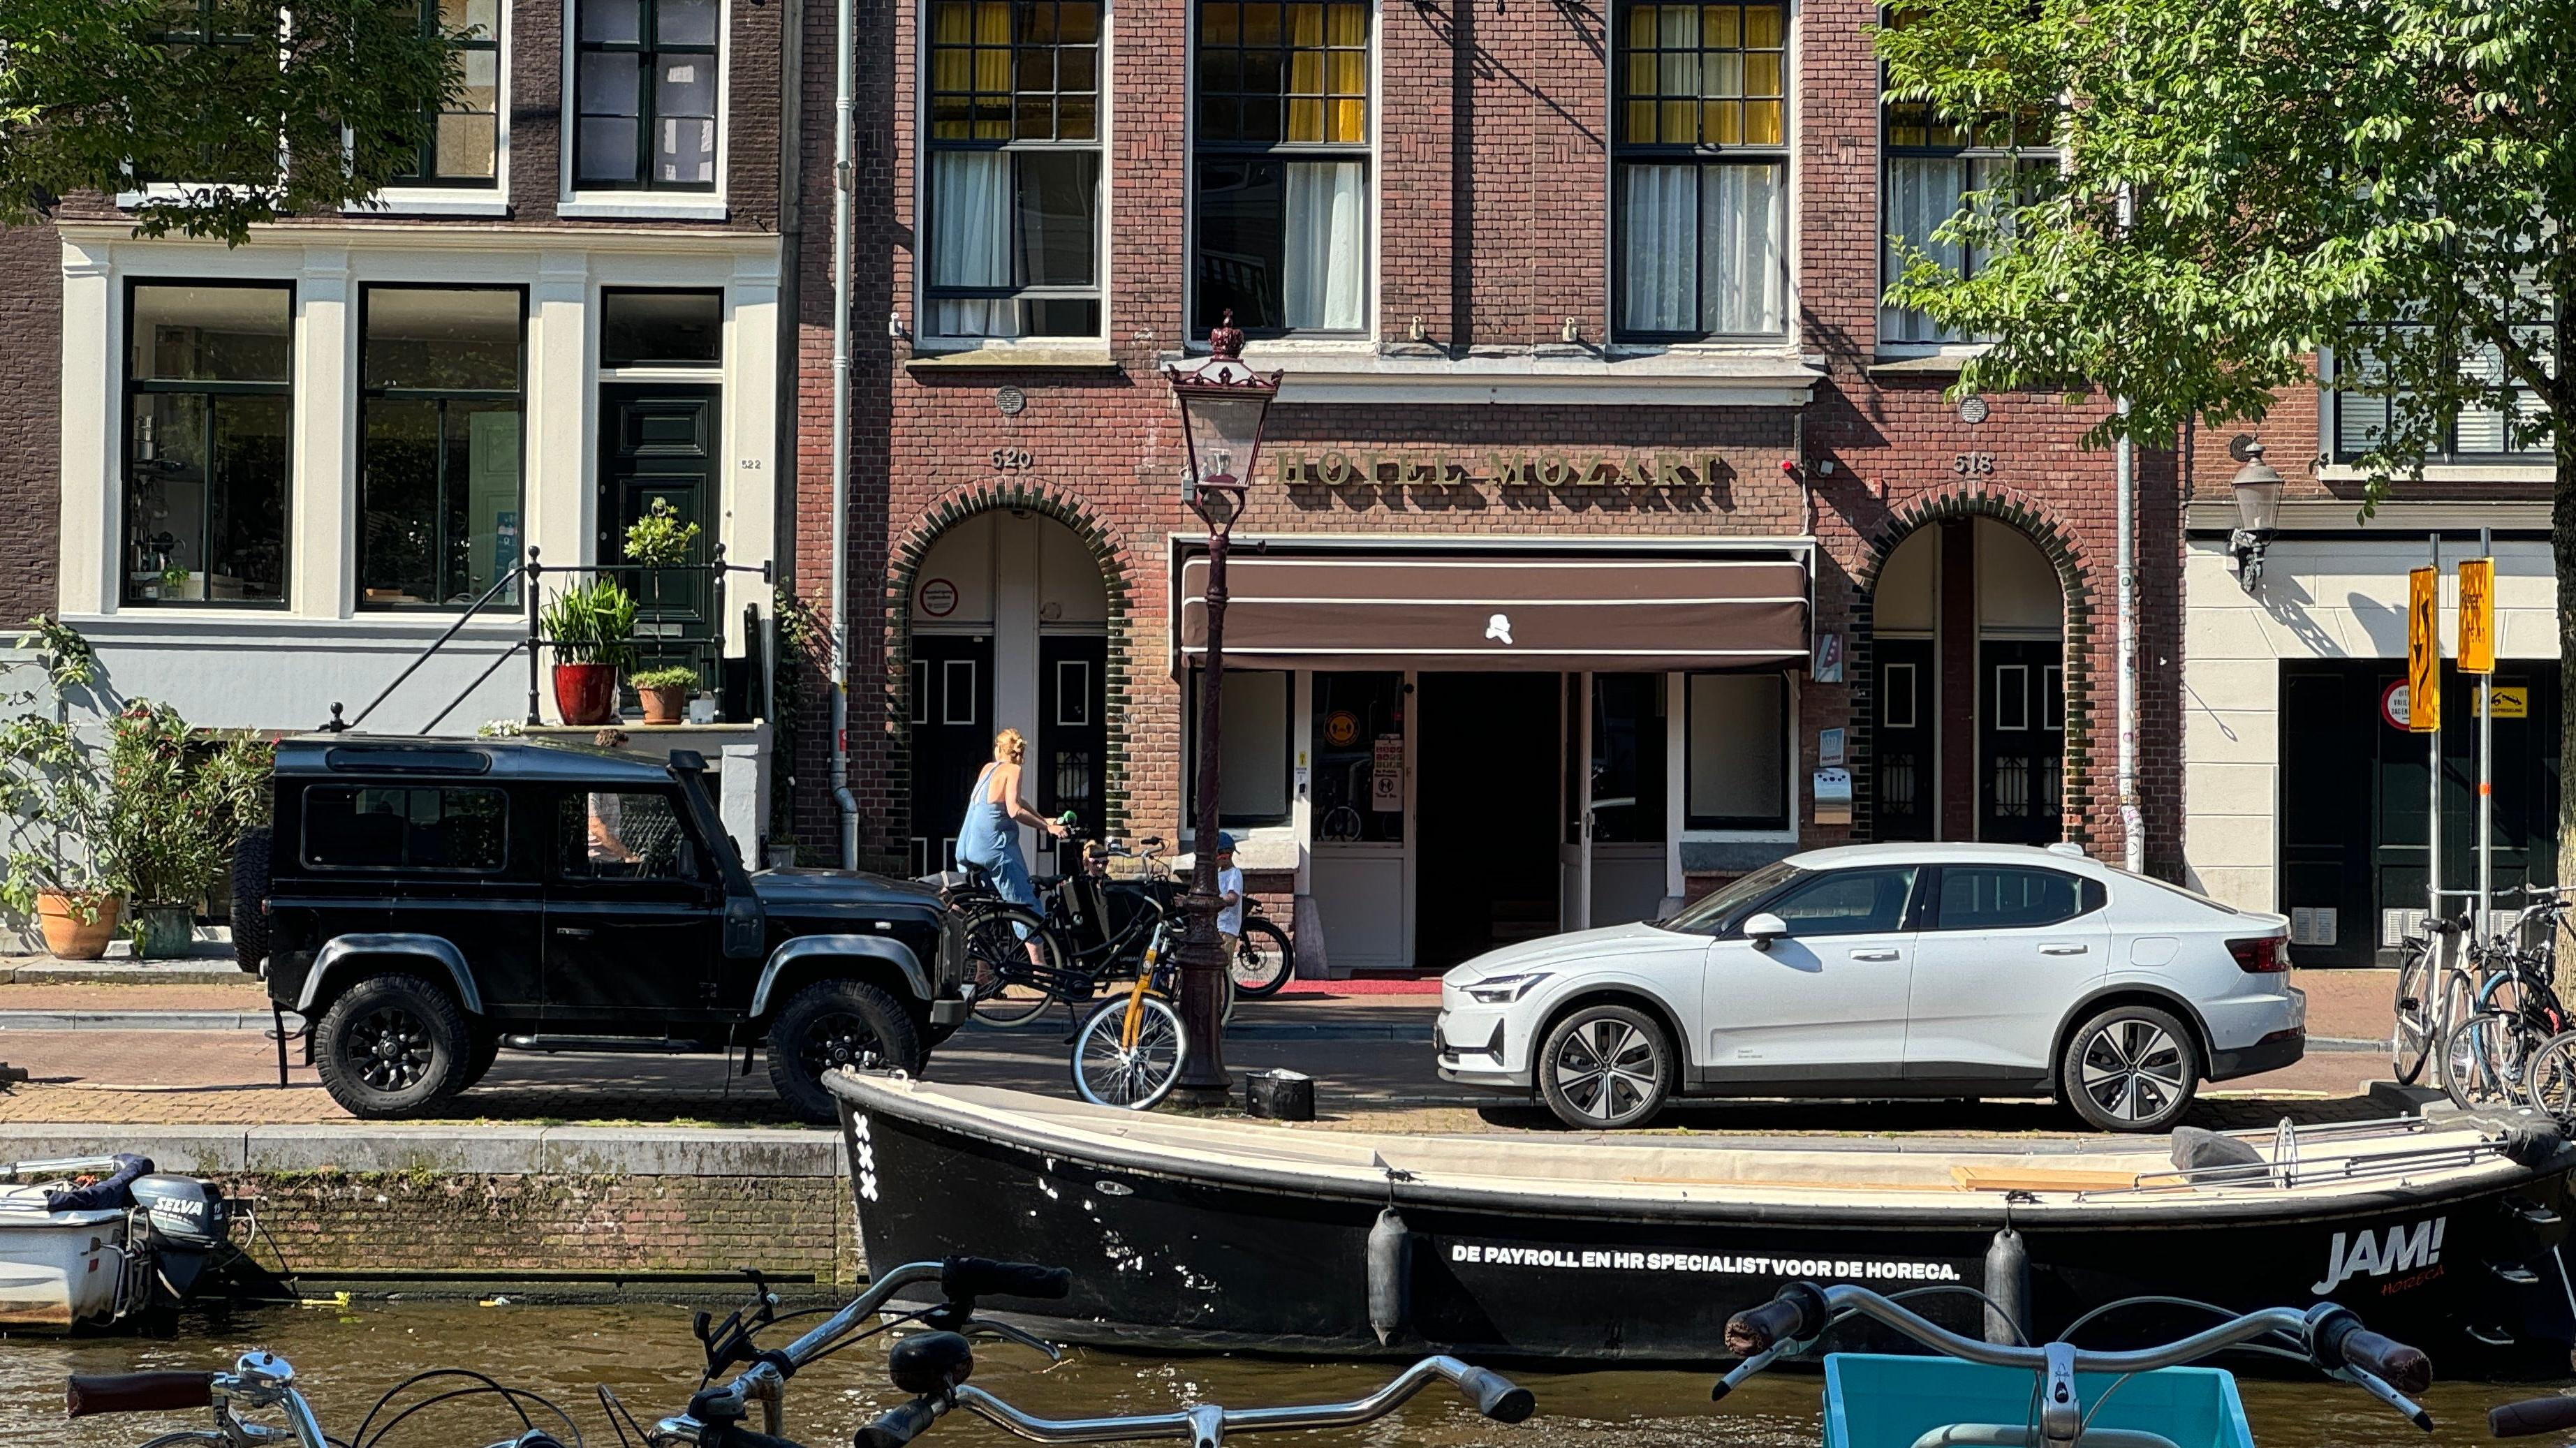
(665, 692)
(173, 823)
(591, 627)
(62, 866)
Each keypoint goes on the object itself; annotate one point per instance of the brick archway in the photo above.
(903, 566)
(2035, 521)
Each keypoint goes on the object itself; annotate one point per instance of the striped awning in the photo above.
(1432, 610)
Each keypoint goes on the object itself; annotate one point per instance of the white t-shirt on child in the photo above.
(1229, 881)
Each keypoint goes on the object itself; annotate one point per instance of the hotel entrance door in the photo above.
(1488, 865)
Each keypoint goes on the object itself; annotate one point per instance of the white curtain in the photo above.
(1326, 278)
(1659, 252)
(1922, 193)
(970, 242)
(1743, 214)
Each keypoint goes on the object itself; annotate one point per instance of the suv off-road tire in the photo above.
(1606, 1066)
(392, 1046)
(837, 1023)
(250, 898)
(478, 1061)
(2130, 1068)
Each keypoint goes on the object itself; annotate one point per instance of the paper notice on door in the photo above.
(1386, 775)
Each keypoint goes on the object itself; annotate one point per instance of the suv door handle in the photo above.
(576, 932)
(2063, 949)
(1875, 954)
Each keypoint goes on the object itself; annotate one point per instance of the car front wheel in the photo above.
(2131, 1068)
(1606, 1066)
(835, 1023)
(392, 1046)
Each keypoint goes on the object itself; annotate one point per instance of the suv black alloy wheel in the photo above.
(392, 1045)
(835, 1023)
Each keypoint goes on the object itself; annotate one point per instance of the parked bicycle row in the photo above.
(1947, 1388)
(2481, 1008)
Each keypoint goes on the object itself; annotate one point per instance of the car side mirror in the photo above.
(1764, 928)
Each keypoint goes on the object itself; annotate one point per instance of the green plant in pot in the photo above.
(173, 821)
(591, 627)
(665, 692)
(63, 868)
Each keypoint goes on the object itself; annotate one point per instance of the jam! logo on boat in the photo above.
(1496, 1254)
(2378, 1254)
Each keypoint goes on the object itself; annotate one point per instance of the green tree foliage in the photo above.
(250, 111)
(2250, 181)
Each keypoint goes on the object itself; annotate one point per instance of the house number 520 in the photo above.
(1973, 464)
(1013, 459)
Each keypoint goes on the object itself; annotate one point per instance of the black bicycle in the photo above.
(1264, 959)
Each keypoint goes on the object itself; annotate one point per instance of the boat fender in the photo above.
(2007, 1288)
(2531, 1145)
(1390, 1277)
(2196, 1148)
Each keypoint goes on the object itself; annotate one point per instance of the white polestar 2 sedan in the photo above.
(1880, 971)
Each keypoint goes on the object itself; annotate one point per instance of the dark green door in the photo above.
(952, 740)
(1069, 771)
(2021, 738)
(1902, 746)
(659, 443)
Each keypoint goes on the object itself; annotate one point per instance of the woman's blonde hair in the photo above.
(1010, 747)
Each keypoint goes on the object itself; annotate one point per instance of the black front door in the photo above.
(952, 739)
(1488, 868)
(658, 443)
(1069, 771)
(2021, 737)
(634, 911)
(1903, 748)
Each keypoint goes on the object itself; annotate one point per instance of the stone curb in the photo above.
(125, 972)
(42, 1020)
(498, 1150)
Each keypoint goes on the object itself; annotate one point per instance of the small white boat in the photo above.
(61, 1269)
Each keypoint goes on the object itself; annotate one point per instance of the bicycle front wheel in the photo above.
(1114, 1065)
(2549, 1077)
(1011, 957)
(2417, 1015)
(2480, 1062)
(1263, 959)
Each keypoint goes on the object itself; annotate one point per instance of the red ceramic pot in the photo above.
(586, 693)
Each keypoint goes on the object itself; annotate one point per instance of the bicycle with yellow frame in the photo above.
(1131, 1050)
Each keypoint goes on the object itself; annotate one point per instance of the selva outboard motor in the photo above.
(190, 1223)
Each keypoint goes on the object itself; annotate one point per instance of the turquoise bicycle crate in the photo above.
(1875, 1400)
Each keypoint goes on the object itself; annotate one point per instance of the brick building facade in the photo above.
(1549, 286)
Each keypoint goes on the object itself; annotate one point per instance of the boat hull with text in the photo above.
(1201, 1234)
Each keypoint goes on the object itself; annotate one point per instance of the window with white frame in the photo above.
(1737, 752)
(231, 48)
(1014, 188)
(644, 94)
(209, 442)
(1936, 164)
(2364, 401)
(1255, 732)
(1282, 166)
(439, 509)
(1700, 172)
(463, 147)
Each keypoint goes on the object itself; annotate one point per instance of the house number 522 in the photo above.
(1973, 464)
(1013, 459)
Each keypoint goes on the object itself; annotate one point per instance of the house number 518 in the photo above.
(1973, 464)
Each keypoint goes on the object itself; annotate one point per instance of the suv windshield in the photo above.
(1718, 911)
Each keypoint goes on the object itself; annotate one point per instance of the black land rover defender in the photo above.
(428, 901)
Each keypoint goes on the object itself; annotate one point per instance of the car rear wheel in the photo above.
(2131, 1068)
(1606, 1066)
(835, 1023)
(392, 1046)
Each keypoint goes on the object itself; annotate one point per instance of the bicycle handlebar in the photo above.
(160, 1392)
(2335, 1340)
(1206, 1424)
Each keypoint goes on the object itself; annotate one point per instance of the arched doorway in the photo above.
(1009, 628)
(1968, 738)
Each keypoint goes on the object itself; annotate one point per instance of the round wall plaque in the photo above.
(1011, 400)
(1972, 410)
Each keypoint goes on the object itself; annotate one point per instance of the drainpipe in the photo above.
(844, 102)
(2133, 834)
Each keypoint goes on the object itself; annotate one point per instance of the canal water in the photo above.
(345, 1357)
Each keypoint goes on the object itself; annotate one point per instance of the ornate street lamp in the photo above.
(2258, 512)
(1223, 403)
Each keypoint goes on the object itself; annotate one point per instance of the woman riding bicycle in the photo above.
(989, 838)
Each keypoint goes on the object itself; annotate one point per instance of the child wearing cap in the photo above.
(1229, 896)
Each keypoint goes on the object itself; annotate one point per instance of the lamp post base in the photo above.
(1202, 1098)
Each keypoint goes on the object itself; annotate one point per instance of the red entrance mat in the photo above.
(1366, 985)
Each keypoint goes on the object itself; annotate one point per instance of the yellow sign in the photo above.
(2477, 617)
(2424, 651)
(2510, 702)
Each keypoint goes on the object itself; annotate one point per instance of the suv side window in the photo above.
(2009, 897)
(624, 835)
(405, 827)
(1847, 902)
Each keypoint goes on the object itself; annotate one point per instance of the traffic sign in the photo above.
(2424, 651)
(2477, 616)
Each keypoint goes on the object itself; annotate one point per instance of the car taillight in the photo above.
(2261, 956)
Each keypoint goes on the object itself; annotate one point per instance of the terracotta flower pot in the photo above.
(586, 693)
(67, 936)
(163, 932)
(663, 706)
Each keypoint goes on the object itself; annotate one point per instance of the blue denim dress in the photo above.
(988, 840)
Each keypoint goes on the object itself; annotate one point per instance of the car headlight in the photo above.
(1502, 990)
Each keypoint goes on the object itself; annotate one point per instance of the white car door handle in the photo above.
(1874, 955)
(2062, 949)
